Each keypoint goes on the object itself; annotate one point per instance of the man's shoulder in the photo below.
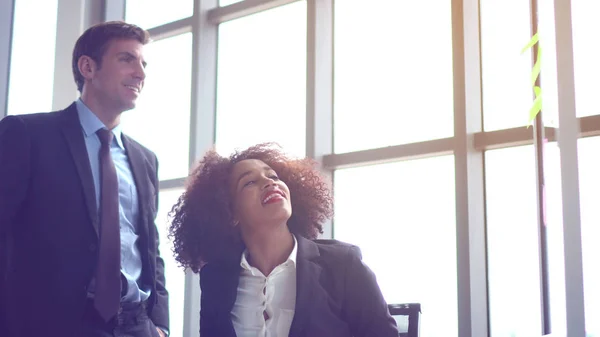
(31, 123)
(38, 119)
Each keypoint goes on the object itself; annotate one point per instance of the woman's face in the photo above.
(259, 197)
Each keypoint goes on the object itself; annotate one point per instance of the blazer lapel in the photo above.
(74, 136)
(218, 283)
(140, 176)
(307, 279)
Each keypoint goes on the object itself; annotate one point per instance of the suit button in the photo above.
(92, 247)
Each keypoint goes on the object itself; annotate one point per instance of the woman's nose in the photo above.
(268, 182)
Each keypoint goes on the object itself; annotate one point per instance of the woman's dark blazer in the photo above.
(337, 294)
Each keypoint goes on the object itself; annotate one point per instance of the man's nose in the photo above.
(140, 71)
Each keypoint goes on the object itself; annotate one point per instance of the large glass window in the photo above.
(152, 13)
(513, 241)
(32, 57)
(175, 276)
(261, 80)
(513, 251)
(402, 216)
(589, 191)
(392, 86)
(161, 119)
(506, 74)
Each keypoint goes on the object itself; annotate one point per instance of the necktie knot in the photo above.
(105, 136)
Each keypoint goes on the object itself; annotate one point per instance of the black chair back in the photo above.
(407, 316)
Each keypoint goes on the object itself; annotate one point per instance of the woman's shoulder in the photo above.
(335, 244)
(337, 249)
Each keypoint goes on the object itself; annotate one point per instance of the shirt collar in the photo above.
(244, 261)
(90, 123)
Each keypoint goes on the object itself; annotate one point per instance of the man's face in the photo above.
(118, 81)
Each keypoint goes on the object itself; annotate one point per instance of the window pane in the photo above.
(549, 74)
(506, 73)
(512, 239)
(392, 86)
(32, 80)
(586, 52)
(161, 120)
(148, 14)
(261, 80)
(555, 238)
(387, 211)
(175, 276)
(512, 243)
(589, 191)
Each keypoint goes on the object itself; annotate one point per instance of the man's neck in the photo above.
(269, 248)
(109, 117)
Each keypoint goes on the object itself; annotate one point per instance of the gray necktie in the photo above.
(108, 281)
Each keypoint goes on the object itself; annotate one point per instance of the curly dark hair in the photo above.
(202, 224)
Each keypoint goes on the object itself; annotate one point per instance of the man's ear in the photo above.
(87, 67)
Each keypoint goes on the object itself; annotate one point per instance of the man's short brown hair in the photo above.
(94, 42)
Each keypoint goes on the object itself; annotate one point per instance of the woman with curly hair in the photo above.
(248, 223)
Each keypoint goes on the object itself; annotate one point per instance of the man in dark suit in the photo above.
(78, 199)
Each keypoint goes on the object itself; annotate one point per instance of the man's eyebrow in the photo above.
(126, 53)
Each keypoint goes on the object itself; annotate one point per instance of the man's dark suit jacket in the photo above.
(336, 295)
(49, 224)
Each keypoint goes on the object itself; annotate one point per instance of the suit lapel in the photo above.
(71, 128)
(218, 283)
(307, 279)
(137, 162)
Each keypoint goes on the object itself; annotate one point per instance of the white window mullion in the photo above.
(6, 23)
(469, 171)
(567, 142)
(319, 86)
(202, 127)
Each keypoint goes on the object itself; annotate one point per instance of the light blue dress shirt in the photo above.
(131, 260)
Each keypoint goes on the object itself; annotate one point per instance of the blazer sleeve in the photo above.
(14, 169)
(365, 308)
(160, 311)
(14, 178)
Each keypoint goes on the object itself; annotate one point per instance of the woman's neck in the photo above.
(269, 249)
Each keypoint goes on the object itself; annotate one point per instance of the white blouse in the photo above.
(260, 296)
